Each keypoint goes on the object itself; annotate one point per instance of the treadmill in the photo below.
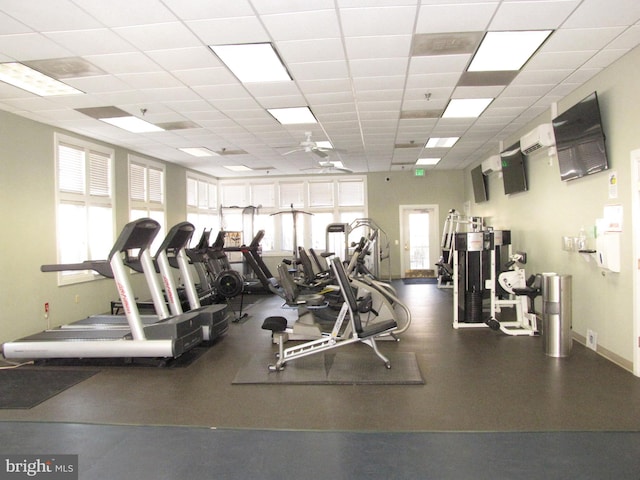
(213, 319)
(170, 337)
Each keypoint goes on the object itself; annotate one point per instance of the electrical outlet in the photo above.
(77, 299)
(592, 340)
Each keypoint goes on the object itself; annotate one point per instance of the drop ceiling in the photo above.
(376, 74)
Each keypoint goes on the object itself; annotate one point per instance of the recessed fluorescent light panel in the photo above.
(466, 107)
(443, 142)
(237, 168)
(199, 152)
(252, 62)
(132, 124)
(427, 161)
(505, 51)
(293, 116)
(31, 80)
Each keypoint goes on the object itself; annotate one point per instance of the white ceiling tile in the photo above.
(40, 16)
(121, 63)
(201, 9)
(98, 84)
(379, 83)
(541, 77)
(224, 31)
(604, 58)
(269, 7)
(31, 46)
(383, 46)
(119, 13)
(628, 39)
(532, 15)
(91, 42)
(318, 70)
(466, 17)
(432, 81)
(185, 58)
(149, 80)
(317, 50)
(378, 67)
(558, 60)
(159, 36)
(10, 26)
(206, 76)
(272, 89)
(575, 40)
(438, 64)
(598, 13)
(322, 86)
(302, 25)
(372, 21)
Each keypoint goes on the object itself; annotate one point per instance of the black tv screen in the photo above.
(479, 185)
(580, 141)
(514, 176)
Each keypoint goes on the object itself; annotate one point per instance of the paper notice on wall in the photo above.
(613, 218)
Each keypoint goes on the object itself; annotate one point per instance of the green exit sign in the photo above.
(419, 172)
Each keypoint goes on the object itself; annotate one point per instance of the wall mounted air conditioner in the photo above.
(491, 164)
(539, 137)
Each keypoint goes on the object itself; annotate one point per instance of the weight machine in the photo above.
(338, 241)
(453, 224)
(478, 275)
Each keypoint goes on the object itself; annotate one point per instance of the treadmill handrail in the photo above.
(139, 233)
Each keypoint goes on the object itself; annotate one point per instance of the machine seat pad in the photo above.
(377, 328)
(311, 299)
(275, 324)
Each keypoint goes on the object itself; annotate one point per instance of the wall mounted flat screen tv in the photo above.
(580, 140)
(479, 185)
(514, 176)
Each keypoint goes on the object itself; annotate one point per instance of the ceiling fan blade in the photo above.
(293, 151)
(320, 153)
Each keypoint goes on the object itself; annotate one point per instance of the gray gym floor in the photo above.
(490, 403)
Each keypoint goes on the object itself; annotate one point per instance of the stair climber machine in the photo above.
(167, 337)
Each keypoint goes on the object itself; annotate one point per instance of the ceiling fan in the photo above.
(328, 166)
(309, 146)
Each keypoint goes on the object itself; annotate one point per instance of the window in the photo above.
(147, 193)
(340, 199)
(202, 204)
(85, 204)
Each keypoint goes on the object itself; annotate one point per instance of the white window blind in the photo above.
(85, 214)
(350, 193)
(321, 194)
(137, 182)
(233, 195)
(263, 195)
(71, 169)
(292, 194)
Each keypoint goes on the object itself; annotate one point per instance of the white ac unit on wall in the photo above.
(491, 164)
(539, 137)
